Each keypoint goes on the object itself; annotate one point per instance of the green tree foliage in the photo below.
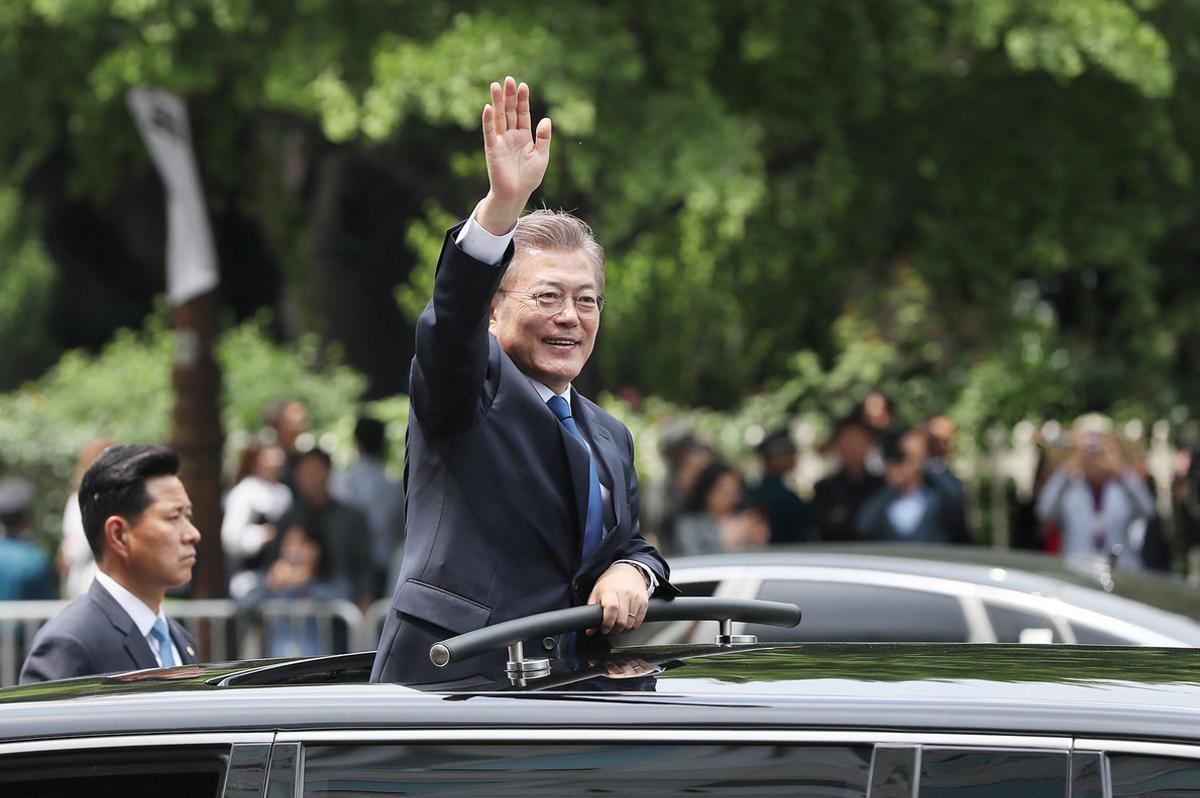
(256, 372)
(123, 393)
(26, 287)
(986, 204)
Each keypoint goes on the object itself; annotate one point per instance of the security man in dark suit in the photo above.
(522, 495)
(914, 505)
(138, 522)
(786, 513)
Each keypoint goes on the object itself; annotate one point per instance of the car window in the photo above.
(988, 773)
(698, 589)
(1153, 776)
(247, 771)
(282, 780)
(183, 772)
(534, 770)
(1087, 635)
(1087, 774)
(844, 612)
(892, 771)
(1020, 625)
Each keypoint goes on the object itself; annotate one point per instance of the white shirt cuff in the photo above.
(644, 569)
(481, 245)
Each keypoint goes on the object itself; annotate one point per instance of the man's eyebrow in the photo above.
(561, 285)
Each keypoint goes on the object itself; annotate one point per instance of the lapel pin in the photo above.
(190, 652)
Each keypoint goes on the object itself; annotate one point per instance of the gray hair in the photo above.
(557, 231)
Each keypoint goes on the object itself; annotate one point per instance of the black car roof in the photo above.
(1144, 693)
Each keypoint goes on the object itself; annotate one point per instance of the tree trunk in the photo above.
(197, 435)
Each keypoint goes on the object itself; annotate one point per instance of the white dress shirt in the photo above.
(243, 530)
(906, 512)
(1091, 530)
(143, 617)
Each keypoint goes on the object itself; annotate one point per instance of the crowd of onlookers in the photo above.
(294, 527)
(890, 482)
(894, 482)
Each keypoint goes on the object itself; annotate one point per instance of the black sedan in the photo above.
(731, 717)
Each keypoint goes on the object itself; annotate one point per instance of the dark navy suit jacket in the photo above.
(942, 521)
(497, 488)
(93, 635)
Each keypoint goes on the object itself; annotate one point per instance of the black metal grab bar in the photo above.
(508, 633)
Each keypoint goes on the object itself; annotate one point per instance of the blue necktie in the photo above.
(159, 633)
(593, 529)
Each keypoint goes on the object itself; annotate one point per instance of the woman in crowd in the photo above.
(713, 517)
(257, 500)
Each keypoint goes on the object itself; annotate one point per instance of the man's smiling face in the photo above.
(548, 347)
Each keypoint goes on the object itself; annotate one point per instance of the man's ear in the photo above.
(492, 314)
(116, 536)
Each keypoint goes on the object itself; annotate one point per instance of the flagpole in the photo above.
(192, 277)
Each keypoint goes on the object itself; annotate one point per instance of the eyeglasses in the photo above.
(552, 302)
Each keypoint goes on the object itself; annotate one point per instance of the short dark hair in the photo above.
(370, 435)
(778, 442)
(115, 484)
(274, 411)
(696, 500)
(314, 453)
(891, 448)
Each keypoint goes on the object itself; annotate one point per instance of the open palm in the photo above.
(516, 155)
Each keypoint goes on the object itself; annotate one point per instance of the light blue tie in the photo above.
(159, 632)
(593, 529)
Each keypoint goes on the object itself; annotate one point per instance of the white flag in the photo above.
(191, 256)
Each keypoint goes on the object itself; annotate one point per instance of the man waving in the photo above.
(522, 496)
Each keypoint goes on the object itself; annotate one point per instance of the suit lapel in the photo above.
(608, 459)
(183, 643)
(135, 645)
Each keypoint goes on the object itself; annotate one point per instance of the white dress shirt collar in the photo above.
(546, 393)
(143, 617)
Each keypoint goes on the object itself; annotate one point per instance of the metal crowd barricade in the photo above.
(212, 622)
(372, 626)
(308, 627)
(19, 622)
(223, 630)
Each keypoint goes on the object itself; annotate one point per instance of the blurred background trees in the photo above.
(987, 205)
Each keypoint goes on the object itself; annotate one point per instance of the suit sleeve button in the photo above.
(548, 643)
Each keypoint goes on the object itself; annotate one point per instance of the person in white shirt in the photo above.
(1096, 499)
(914, 505)
(138, 521)
(77, 566)
(254, 505)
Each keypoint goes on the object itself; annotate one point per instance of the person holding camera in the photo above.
(1095, 498)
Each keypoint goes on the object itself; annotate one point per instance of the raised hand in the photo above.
(516, 155)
